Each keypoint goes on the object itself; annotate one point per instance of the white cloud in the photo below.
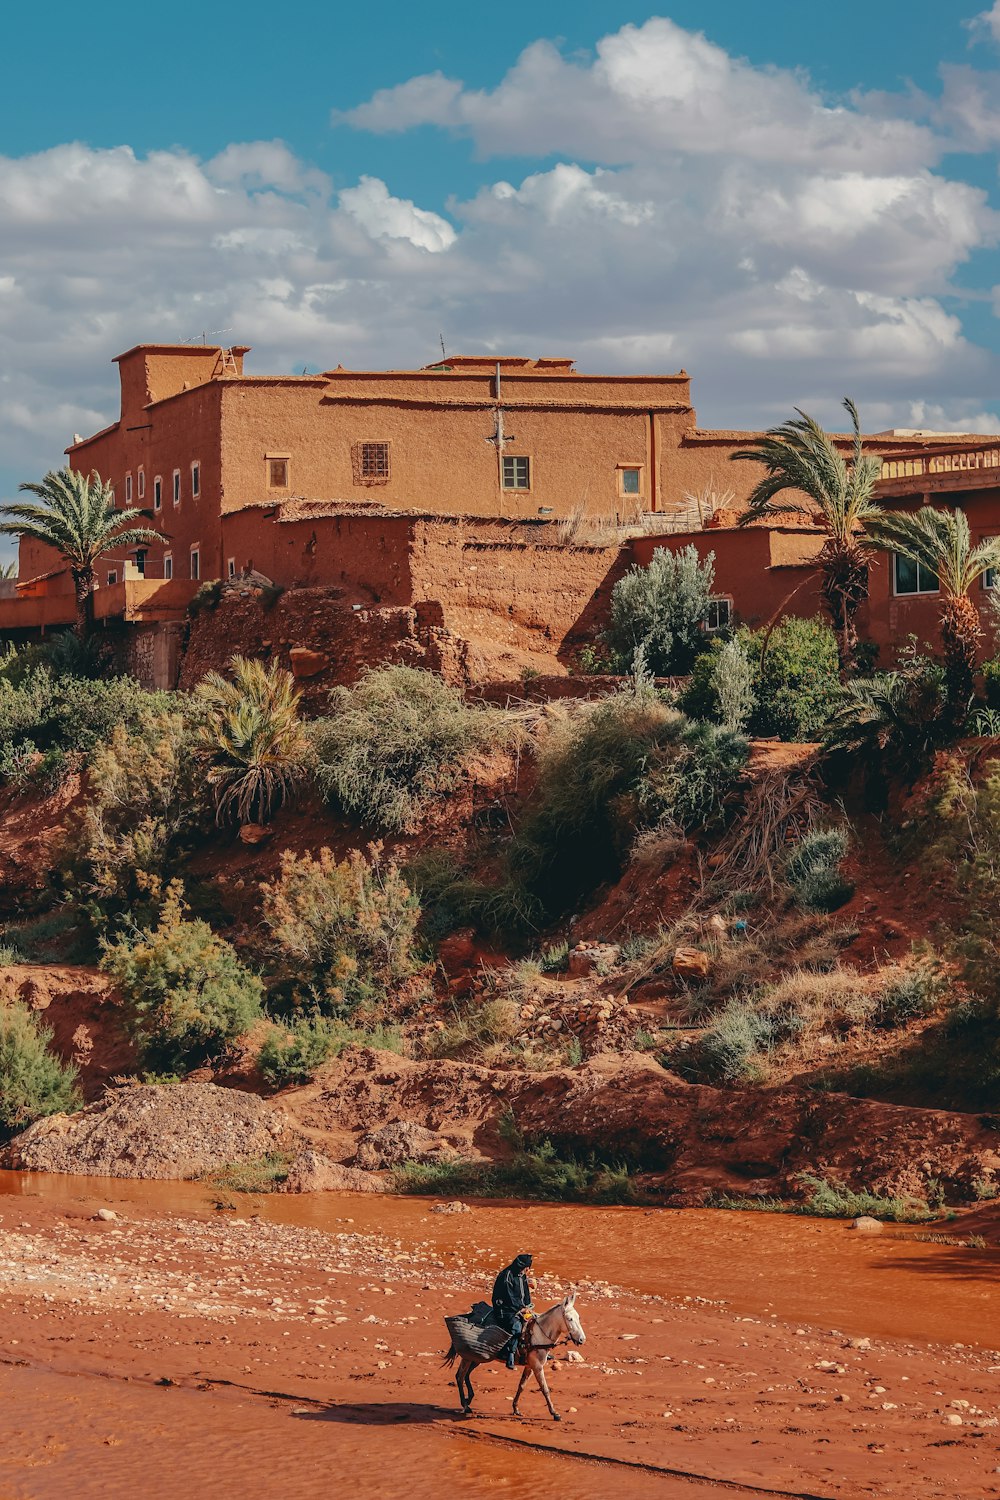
(986, 26)
(649, 89)
(386, 217)
(782, 250)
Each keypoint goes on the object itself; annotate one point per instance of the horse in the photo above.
(544, 1333)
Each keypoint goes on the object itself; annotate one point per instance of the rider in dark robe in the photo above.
(511, 1300)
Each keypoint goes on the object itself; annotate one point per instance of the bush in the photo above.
(893, 721)
(64, 715)
(396, 740)
(779, 682)
(813, 870)
(187, 995)
(610, 769)
(342, 931)
(147, 800)
(908, 993)
(660, 610)
(738, 1036)
(258, 747)
(533, 1172)
(33, 1082)
(295, 1054)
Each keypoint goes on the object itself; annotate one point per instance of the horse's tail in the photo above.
(451, 1356)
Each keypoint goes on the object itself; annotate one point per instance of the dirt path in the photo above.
(217, 1353)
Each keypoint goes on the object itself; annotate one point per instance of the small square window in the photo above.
(112, 576)
(157, 492)
(195, 563)
(142, 484)
(375, 460)
(277, 473)
(911, 577)
(195, 481)
(168, 566)
(631, 481)
(231, 567)
(128, 489)
(177, 486)
(719, 614)
(516, 473)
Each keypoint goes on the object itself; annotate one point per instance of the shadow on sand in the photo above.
(381, 1413)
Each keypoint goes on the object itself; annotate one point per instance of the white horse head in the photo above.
(573, 1325)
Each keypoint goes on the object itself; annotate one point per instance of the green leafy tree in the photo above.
(799, 456)
(940, 541)
(77, 517)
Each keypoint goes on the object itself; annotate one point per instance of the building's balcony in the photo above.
(958, 468)
(136, 600)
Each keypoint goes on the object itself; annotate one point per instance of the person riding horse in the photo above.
(511, 1301)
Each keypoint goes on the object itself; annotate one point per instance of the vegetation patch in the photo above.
(33, 1081)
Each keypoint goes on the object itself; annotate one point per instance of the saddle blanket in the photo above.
(469, 1336)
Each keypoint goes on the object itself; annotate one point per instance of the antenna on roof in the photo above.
(441, 338)
(205, 335)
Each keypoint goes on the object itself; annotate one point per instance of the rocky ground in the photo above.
(203, 1351)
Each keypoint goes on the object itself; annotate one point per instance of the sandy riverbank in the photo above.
(189, 1350)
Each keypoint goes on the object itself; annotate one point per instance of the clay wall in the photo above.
(367, 558)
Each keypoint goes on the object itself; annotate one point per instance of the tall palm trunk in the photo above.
(84, 584)
(960, 632)
(844, 590)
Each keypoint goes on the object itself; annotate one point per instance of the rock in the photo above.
(717, 926)
(867, 1225)
(398, 1142)
(312, 1172)
(952, 1419)
(574, 1356)
(307, 663)
(255, 833)
(106, 1215)
(588, 958)
(691, 963)
(455, 1207)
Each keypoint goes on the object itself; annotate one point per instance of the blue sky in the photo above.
(792, 201)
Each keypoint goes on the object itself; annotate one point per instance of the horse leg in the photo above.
(538, 1368)
(520, 1388)
(468, 1387)
(461, 1381)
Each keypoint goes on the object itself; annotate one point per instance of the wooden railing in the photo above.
(921, 465)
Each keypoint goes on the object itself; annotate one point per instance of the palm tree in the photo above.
(76, 516)
(799, 455)
(939, 541)
(256, 740)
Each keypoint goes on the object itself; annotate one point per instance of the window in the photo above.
(195, 481)
(128, 489)
(177, 486)
(142, 484)
(375, 460)
(516, 473)
(168, 565)
(719, 614)
(991, 578)
(112, 576)
(195, 563)
(277, 473)
(157, 492)
(630, 480)
(911, 577)
(231, 567)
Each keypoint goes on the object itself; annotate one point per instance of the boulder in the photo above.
(691, 963)
(867, 1225)
(255, 833)
(586, 958)
(401, 1141)
(312, 1172)
(306, 662)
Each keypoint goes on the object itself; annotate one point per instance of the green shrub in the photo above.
(265, 1175)
(257, 745)
(735, 1042)
(397, 740)
(186, 993)
(147, 801)
(33, 1081)
(991, 681)
(660, 609)
(813, 870)
(614, 767)
(781, 682)
(831, 1200)
(295, 1054)
(342, 931)
(893, 721)
(533, 1172)
(909, 993)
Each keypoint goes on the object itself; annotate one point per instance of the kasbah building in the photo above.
(470, 516)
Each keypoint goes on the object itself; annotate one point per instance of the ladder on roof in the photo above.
(226, 363)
